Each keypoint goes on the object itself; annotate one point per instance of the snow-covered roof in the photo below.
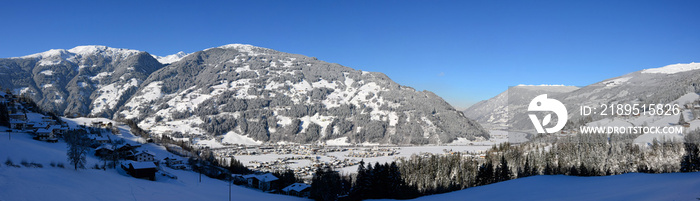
(141, 165)
(144, 152)
(298, 187)
(249, 176)
(171, 157)
(106, 146)
(17, 121)
(43, 130)
(266, 177)
(53, 127)
(39, 125)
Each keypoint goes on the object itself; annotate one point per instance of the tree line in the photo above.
(576, 155)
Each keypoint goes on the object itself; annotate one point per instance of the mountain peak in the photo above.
(82, 50)
(673, 68)
(255, 50)
(171, 58)
(238, 46)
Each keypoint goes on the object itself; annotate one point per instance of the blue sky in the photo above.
(464, 51)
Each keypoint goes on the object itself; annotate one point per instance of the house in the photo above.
(44, 135)
(37, 126)
(249, 180)
(96, 124)
(18, 116)
(18, 124)
(174, 163)
(47, 120)
(238, 179)
(99, 139)
(104, 150)
(127, 147)
(58, 130)
(144, 156)
(298, 189)
(141, 169)
(126, 150)
(263, 182)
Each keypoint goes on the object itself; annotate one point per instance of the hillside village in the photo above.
(126, 153)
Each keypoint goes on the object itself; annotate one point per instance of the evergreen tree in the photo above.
(485, 175)
(326, 184)
(4, 115)
(547, 169)
(526, 171)
(583, 171)
(285, 178)
(504, 173)
(236, 167)
(361, 182)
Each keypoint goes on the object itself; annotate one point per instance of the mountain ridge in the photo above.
(650, 86)
(237, 90)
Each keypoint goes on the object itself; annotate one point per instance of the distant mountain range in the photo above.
(650, 86)
(236, 94)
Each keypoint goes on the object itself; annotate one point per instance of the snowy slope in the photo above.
(212, 92)
(668, 84)
(52, 183)
(631, 186)
(171, 58)
(674, 68)
(242, 94)
(81, 81)
(493, 113)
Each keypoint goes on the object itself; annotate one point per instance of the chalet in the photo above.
(264, 182)
(96, 124)
(18, 124)
(29, 125)
(99, 139)
(126, 150)
(238, 179)
(18, 116)
(144, 156)
(44, 135)
(37, 126)
(298, 189)
(126, 147)
(141, 169)
(174, 163)
(58, 130)
(104, 150)
(47, 120)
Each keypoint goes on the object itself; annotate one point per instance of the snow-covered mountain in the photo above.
(82, 81)
(236, 93)
(241, 92)
(171, 58)
(493, 113)
(650, 86)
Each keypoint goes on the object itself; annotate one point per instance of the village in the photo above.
(134, 158)
(302, 159)
(139, 157)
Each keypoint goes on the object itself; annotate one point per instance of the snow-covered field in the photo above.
(53, 183)
(632, 186)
